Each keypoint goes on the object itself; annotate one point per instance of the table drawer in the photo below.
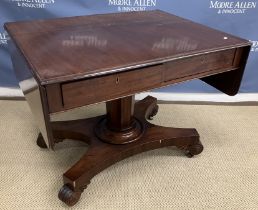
(108, 87)
(198, 64)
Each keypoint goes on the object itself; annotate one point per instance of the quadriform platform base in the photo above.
(109, 146)
(71, 62)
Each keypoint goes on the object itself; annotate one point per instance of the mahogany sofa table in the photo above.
(72, 62)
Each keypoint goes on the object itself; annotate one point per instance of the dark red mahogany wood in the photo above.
(71, 62)
(100, 155)
(119, 126)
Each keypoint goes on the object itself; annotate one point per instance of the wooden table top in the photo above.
(66, 49)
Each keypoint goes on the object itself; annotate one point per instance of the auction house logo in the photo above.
(232, 7)
(132, 5)
(254, 46)
(34, 3)
(3, 38)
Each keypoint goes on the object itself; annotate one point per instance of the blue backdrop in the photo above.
(236, 17)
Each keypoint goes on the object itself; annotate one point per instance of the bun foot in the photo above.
(68, 196)
(194, 149)
(41, 142)
(153, 112)
(100, 155)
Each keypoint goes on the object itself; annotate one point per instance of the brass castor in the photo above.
(68, 196)
(41, 142)
(194, 149)
(153, 112)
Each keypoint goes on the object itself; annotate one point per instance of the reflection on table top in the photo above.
(67, 48)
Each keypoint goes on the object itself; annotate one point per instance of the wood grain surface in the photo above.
(71, 48)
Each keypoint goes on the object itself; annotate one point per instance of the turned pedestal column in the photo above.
(120, 126)
(124, 131)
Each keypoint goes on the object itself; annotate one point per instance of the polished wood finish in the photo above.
(156, 36)
(101, 155)
(120, 113)
(181, 50)
(230, 81)
(135, 81)
(204, 63)
(76, 61)
(120, 126)
(115, 86)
